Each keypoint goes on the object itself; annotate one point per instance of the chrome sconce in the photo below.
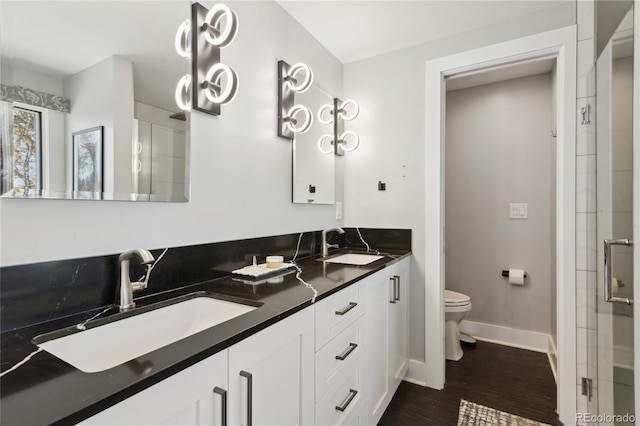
(293, 118)
(336, 114)
(215, 83)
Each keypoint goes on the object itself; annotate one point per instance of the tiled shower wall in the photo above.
(586, 236)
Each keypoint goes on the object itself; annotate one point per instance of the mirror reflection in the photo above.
(313, 171)
(87, 108)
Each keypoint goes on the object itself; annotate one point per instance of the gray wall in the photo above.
(498, 151)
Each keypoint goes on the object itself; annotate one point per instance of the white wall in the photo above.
(240, 168)
(498, 151)
(390, 89)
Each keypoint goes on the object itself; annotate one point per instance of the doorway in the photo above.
(500, 204)
(559, 45)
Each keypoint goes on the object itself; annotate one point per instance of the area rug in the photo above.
(472, 414)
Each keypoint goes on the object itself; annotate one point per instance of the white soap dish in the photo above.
(261, 270)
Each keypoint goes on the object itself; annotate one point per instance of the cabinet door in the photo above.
(379, 298)
(271, 374)
(186, 398)
(399, 325)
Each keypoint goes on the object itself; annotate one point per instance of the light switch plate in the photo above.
(338, 210)
(518, 211)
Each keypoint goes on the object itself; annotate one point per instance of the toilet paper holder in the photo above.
(505, 273)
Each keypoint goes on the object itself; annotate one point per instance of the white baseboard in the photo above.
(523, 339)
(416, 373)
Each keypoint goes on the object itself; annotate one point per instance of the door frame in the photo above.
(636, 198)
(561, 45)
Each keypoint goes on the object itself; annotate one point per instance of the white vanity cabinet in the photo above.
(387, 331)
(271, 374)
(337, 362)
(277, 360)
(195, 396)
(340, 373)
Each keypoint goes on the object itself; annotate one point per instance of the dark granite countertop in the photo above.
(47, 390)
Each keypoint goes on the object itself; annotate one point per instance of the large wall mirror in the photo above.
(87, 105)
(313, 171)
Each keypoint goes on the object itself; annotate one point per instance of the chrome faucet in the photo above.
(325, 246)
(125, 287)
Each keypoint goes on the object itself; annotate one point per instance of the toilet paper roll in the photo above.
(516, 276)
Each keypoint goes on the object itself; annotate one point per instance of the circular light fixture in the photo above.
(294, 83)
(342, 110)
(218, 76)
(344, 143)
(183, 41)
(324, 141)
(183, 100)
(292, 122)
(213, 33)
(322, 113)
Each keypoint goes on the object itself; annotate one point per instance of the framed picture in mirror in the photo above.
(87, 163)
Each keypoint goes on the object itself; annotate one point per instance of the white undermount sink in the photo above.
(358, 259)
(105, 346)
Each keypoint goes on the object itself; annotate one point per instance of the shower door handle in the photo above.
(608, 277)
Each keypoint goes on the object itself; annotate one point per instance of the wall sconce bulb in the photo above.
(213, 30)
(322, 113)
(183, 89)
(344, 143)
(292, 122)
(325, 144)
(342, 110)
(294, 83)
(220, 84)
(183, 40)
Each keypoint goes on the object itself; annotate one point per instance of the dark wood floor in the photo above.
(507, 379)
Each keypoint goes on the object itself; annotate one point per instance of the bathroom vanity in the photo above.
(328, 352)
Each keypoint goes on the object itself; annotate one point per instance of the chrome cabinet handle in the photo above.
(352, 347)
(607, 271)
(249, 378)
(223, 403)
(396, 278)
(347, 401)
(347, 309)
(394, 296)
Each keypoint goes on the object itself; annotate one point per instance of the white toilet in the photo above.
(456, 308)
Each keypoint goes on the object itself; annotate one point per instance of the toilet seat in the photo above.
(455, 299)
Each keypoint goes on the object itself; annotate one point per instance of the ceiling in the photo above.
(358, 29)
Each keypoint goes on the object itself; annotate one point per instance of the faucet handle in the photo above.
(141, 285)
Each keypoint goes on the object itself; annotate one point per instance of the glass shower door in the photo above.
(612, 344)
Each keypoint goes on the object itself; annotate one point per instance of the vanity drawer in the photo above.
(337, 312)
(342, 400)
(339, 356)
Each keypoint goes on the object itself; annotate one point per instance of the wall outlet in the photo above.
(338, 210)
(518, 211)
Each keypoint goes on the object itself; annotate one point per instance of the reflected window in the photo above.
(24, 171)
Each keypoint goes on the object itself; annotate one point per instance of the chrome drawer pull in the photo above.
(347, 309)
(249, 377)
(352, 347)
(346, 402)
(394, 296)
(223, 403)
